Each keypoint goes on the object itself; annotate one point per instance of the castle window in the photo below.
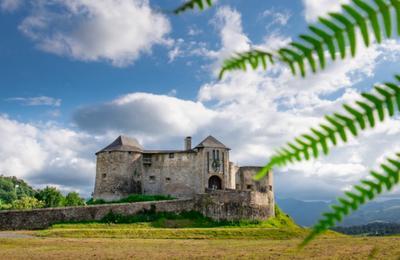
(270, 187)
(171, 155)
(249, 187)
(208, 161)
(104, 175)
(168, 179)
(147, 159)
(214, 155)
(152, 178)
(223, 162)
(129, 152)
(217, 155)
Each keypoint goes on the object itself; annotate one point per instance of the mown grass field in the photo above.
(190, 236)
(109, 248)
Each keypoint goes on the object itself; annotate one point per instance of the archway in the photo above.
(214, 183)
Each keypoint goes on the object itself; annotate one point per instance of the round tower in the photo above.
(118, 170)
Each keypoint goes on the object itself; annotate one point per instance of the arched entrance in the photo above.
(214, 183)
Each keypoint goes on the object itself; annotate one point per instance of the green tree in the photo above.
(12, 188)
(51, 197)
(27, 203)
(73, 199)
(332, 39)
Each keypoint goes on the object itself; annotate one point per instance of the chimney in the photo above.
(188, 143)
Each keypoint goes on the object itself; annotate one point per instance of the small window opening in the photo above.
(171, 155)
(104, 175)
(152, 178)
(249, 187)
(168, 179)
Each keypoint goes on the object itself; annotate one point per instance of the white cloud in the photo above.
(229, 23)
(316, 8)
(278, 18)
(47, 155)
(37, 101)
(116, 31)
(10, 5)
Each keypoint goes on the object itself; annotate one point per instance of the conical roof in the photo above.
(123, 143)
(211, 141)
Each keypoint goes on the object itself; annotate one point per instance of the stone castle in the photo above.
(124, 167)
(201, 178)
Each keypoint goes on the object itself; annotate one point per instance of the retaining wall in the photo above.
(218, 205)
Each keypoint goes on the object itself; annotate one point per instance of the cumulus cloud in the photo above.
(47, 155)
(145, 114)
(37, 101)
(315, 8)
(116, 31)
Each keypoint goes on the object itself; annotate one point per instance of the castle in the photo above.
(124, 167)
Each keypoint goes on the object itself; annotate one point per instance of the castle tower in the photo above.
(118, 169)
(216, 170)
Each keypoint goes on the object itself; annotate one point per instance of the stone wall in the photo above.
(218, 205)
(177, 174)
(43, 218)
(236, 205)
(118, 174)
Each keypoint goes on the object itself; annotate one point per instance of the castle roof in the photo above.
(123, 143)
(211, 141)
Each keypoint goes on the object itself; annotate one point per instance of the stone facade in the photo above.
(229, 205)
(125, 167)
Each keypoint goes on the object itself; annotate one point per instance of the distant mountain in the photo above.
(307, 213)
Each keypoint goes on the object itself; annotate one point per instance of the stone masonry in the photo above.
(229, 205)
(124, 167)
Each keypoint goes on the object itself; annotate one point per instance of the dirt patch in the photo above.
(15, 235)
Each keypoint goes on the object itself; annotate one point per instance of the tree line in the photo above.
(17, 194)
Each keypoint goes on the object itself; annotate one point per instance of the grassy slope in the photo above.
(186, 226)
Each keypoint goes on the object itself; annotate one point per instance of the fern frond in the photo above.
(190, 5)
(254, 58)
(372, 108)
(367, 190)
(333, 33)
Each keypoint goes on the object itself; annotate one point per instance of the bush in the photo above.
(27, 203)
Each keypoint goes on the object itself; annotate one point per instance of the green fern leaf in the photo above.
(190, 5)
(338, 31)
(385, 10)
(373, 106)
(367, 190)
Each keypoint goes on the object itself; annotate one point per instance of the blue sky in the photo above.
(76, 74)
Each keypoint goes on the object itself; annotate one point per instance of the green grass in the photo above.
(131, 198)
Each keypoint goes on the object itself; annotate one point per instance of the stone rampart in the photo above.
(235, 205)
(219, 205)
(43, 218)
